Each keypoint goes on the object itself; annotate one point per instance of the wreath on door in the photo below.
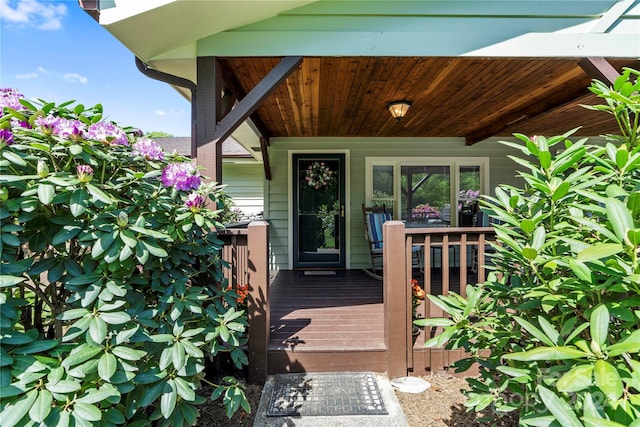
(318, 175)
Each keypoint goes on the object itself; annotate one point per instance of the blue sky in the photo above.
(52, 49)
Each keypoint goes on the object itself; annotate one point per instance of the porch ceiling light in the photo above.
(399, 108)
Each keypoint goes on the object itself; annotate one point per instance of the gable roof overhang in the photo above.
(472, 69)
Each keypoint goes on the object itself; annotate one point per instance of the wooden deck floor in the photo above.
(326, 312)
(336, 323)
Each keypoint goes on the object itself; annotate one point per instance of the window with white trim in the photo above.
(427, 192)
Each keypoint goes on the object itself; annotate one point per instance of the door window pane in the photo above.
(383, 187)
(425, 198)
(468, 195)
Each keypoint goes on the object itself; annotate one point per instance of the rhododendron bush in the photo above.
(111, 286)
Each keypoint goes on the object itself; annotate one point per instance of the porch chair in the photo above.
(374, 217)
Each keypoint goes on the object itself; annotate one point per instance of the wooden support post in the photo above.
(396, 295)
(258, 300)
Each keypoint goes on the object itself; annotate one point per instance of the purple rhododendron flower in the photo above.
(48, 124)
(10, 98)
(15, 123)
(6, 136)
(107, 133)
(182, 176)
(195, 202)
(148, 148)
(85, 173)
(70, 129)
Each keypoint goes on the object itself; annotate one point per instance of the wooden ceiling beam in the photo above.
(256, 123)
(256, 96)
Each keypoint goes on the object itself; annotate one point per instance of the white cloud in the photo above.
(26, 76)
(33, 13)
(172, 113)
(75, 77)
(40, 71)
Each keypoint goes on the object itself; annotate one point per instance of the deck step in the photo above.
(284, 361)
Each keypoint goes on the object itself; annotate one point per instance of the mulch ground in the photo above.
(440, 406)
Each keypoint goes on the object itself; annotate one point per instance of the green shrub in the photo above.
(111, 288)
(556, 328)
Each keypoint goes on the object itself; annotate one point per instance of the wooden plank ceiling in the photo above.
(474, 98)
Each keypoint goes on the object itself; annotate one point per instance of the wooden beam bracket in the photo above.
(599, 69)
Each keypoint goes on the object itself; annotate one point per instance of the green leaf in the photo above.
(78, 202)
(217, 392)
(115, 318)
(549, 330)
(547, 353)
(581, 270)
(64, 386)
(36, 347)
(99, 194)
(74, 313)
(537, 333)
(14, 389)
(127, 353)
(561, 191)
(514, 372)
(622, 156)
(178, 355)
(578, 378)
(184, 389)
(14, 158)
(98, 330)
(634, 236)
(66, 233)
(128, 238)
(630, 344)
(41, 407)
(599, 324)
(601, 422)
(8, 281)
(619, 217)
(86, 411)
(529, 253)
(527, 225)
(151, 233)
(599, 251)
(95, 395)
(539, 236)
(433, 321)
(154, 249)
(103, 244)
(608, 380)
(13, 413)
(46, 193)
(559, 408)
(80, 354)
(168, 399)
(107, 366)
(545, 159)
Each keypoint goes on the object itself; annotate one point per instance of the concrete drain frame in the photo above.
(326, 394)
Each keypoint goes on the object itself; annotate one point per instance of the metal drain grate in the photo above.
(339, 393)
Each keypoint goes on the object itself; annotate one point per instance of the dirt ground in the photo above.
(440, 406)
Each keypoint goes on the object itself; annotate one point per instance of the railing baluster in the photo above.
(462, 240)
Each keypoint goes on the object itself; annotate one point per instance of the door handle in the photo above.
(342, 211)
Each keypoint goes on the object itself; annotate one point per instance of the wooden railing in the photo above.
(246, 251)
(462, 252)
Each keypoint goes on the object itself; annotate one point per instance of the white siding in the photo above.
(245, 184)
